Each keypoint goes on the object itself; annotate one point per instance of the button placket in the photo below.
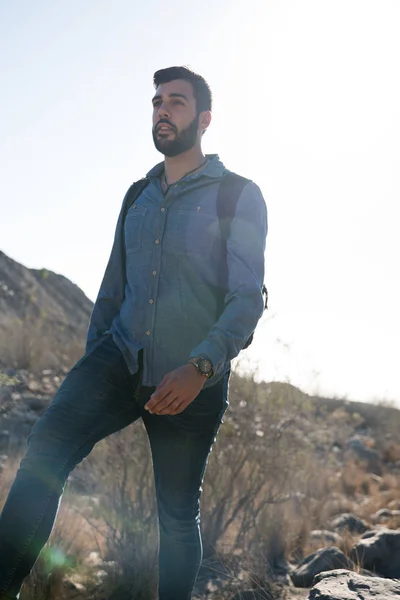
(157, 242)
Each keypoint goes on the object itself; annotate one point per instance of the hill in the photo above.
(296, 487)
(43, 317)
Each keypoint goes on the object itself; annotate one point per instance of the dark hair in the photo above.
(201, 89)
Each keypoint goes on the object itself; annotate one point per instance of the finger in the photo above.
(157, 396)
(171, 408)
(162, 404)
(155, 400)
(178, 408)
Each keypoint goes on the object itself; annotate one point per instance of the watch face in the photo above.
(205, 365)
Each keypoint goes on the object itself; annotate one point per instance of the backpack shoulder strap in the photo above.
(131, 196)
(229, 192)
(134, 192)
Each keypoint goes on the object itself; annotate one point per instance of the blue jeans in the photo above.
(99, 397)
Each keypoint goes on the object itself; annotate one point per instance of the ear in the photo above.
(204, 120)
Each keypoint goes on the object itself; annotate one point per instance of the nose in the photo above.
(163, 112)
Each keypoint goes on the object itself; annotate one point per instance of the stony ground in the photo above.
(359, 444)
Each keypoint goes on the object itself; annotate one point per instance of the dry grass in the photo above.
(7, 474)
(33, 345)
(391, 452)
(265, 490)
(127, 508)
(70, 542)
(355, 480)
(61, 556)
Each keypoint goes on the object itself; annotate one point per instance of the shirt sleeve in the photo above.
(112, 289)
(244, 302)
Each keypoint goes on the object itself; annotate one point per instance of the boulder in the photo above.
(385, 514)
(94, 560)
(35, 403)
(371, 458)
(325, 559)
(351, 523)
(379, 551)
(346, 585)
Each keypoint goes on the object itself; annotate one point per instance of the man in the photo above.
(158, 348)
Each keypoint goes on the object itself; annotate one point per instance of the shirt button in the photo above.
(154, 272)
(157, 242)
(163, 209)
(151, 301)
(147, 332)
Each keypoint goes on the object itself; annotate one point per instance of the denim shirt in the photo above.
(166, 301)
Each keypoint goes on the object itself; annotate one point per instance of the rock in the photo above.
(385, 514)
(350, 522)
(94, 559)
(34, 386)
(101, 574)
(73, 587)
(325, 559)
(3, 462)
(370, 457)
(345, 585)
(19, 413)
(379, 551)
(35, 403)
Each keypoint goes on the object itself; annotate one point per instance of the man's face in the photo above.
(175, 118)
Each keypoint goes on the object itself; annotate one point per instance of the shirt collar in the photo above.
(213, 168)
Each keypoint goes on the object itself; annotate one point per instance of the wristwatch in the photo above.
(203, 366)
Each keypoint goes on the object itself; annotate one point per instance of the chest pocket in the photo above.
(195, 234)
(134, 228)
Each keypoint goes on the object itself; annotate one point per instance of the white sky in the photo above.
(306, 103)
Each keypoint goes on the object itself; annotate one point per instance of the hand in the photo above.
(176, 391)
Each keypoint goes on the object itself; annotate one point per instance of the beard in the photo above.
(185, 140)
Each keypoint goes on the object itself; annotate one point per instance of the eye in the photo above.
(178, 102)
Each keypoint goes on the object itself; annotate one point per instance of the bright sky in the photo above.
(306, 103)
